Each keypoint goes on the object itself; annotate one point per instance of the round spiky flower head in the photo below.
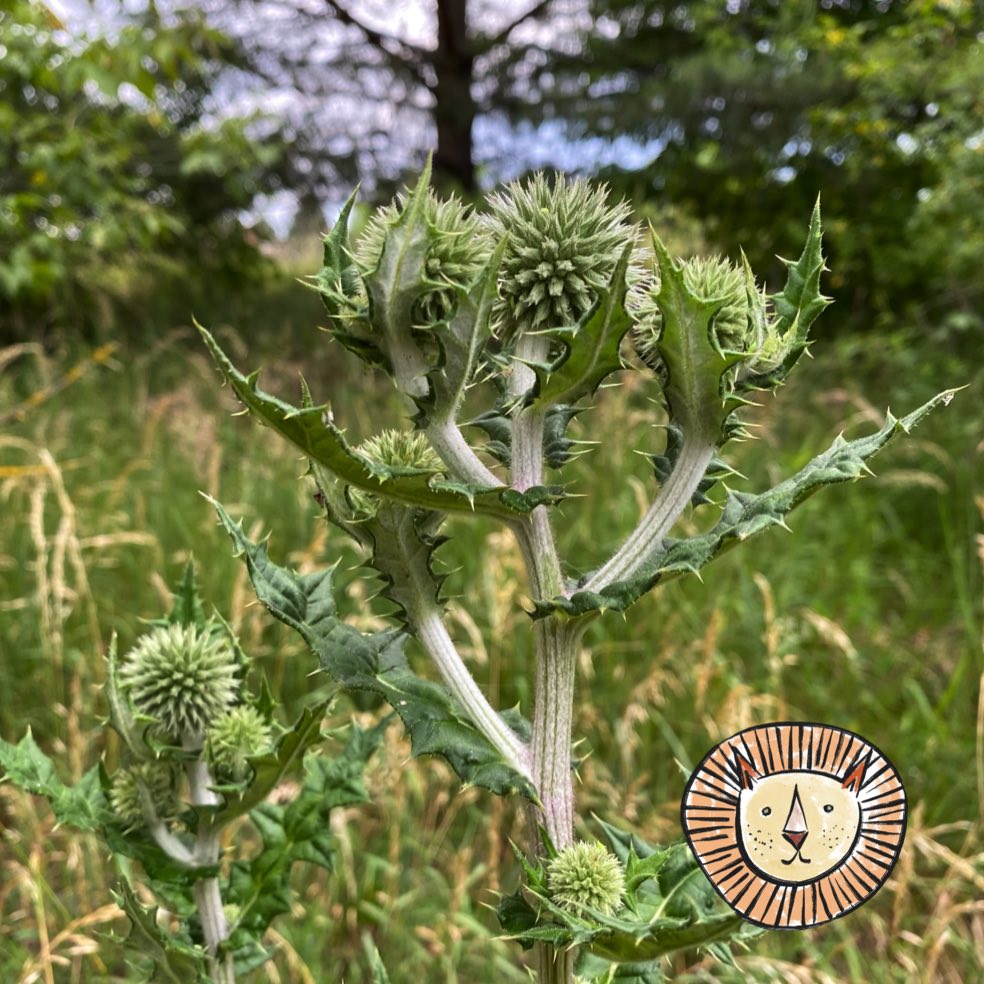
(153, 781)
(586, 874)
(181, 677)
(457, 249)
(564, 243)
(233, 738)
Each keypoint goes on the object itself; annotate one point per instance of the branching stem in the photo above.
(452, 448)
(651, 530)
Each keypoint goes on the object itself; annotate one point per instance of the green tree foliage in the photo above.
(751, 108)
(113, 175)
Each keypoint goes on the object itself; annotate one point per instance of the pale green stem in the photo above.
(427, 624)
(208, 896)
(168, 842)
(428, 627)
(650, 532)
(556, 648)
(556, 645)
(452, 448)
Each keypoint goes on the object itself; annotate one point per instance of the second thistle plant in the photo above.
(529, 325)
(201, 754)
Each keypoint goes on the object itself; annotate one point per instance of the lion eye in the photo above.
(766, 810)
(828, 808)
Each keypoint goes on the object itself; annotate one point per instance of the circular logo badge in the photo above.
(795, 824)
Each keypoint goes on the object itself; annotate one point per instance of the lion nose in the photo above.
(795, 828)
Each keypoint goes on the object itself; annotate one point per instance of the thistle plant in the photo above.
(526, 307)
(200, 755)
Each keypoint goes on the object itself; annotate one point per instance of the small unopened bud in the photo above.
(394, 449)
(234, 737)
(146, 783)
(586, 874)
(457, 248)
(709, 278)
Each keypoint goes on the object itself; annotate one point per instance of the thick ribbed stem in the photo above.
(556, 646)
(551, 745)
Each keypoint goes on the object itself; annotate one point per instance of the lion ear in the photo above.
(748, 775)
(855, 775)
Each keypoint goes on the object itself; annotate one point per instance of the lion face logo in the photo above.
(795, 824)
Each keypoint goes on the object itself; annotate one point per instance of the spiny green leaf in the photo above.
(798, 305)
(187, 608)
(743, 516)
(590, 350)
(175, 961)
(462, 339)
(300, 831)
(339, 282)
(399, 281)
(315, 435)
(270, 769)
(694, 363)
(81, 806)
(403, 553)
(338, 279)
(376, 662)
(596, 970)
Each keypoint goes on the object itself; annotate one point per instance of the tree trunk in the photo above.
(454, 110)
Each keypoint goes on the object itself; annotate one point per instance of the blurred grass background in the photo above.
(868, 615)
(132, 195)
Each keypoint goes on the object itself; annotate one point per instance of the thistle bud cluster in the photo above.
(181, 692)
(552, 248)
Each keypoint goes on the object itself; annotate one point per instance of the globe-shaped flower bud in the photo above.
(709, 278)
(182, 678)
(395, 449)
(564, 243)
(145, 783)
(457, 249)
(586, 874)
(233, 738)
(401, 449)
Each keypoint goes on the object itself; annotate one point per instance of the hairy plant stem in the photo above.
(208, 896)
(430, 630)
(650, 532)
(408, 570)
(556, 645)
(452, 448)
